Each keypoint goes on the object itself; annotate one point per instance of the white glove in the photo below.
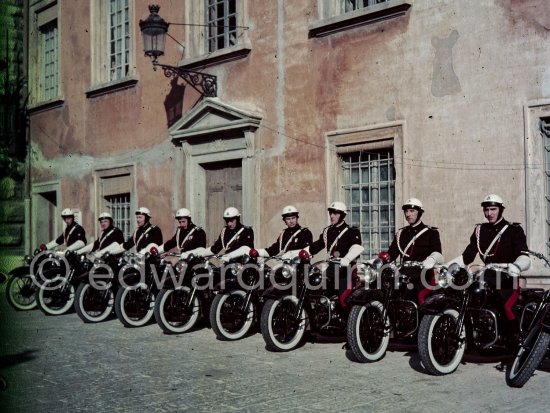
(86, 249)
(513, 270)
(76, 245)
(290, 254)
(203, 252)
(239, 252)
(432, 259)
(114, 248)
(262, 253)
(148, 248)
(523, 262)
(51, 245)
(354, 251)
(161, 249)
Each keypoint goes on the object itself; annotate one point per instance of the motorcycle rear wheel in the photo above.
(172, 313)
(21, 293)
(529, 356)
(438, 348)
(50, 298)
(367, 332)
(227, 319)
(93, 305)
(280, 330)
(132, 307)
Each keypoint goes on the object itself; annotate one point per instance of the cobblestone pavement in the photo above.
(59, 364)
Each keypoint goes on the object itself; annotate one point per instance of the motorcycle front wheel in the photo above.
(134, 306)
(173, 313)
(530, 355)
(368, 332)
(54, 297)
(21, 293)
(280, 328)
(227, 318)
(440, 350)
(93, 305)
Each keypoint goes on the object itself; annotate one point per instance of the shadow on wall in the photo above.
(173, 103)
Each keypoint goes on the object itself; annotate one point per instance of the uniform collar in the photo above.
(416, 224)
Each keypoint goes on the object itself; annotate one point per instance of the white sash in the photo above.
(225, 247)
(410, 242)
(186, 237)
(104, 238)
(336, 240)
(288, 242)
(497, 237)
(141, 236)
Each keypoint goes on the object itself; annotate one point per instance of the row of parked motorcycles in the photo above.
(292, 301)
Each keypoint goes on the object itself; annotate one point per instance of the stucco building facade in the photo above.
(368, 102)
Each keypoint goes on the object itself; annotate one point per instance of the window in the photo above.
(369, 187)
(119, 39)
(222, 24)
(350, 5)
(119, 207)
(545, 129)
(43, 54)
(49, 46)
(115, 188)
(112, 43)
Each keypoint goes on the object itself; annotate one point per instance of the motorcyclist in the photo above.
(499, 241)
(341, 241)
(73, 237)
(417, 242)
(234, 240)
(144, 237)
(187, 237)
(293, 237)
(109, 235)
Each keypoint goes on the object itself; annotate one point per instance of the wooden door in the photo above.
(223, 189)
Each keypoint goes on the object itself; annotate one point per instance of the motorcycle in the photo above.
(180, 305)
(55, 295)
(382, 310)
(534, 335)
(136, 295)
(94, 299)
(237, 304)
(313, 305)
(21, 287)
(470, 315)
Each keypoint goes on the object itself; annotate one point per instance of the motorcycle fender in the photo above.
(436, 303)
(23, 271)
(362, 296)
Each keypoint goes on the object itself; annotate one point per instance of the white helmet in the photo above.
(105, 215)
(67, 212)
(413, 203)
(231, 212)
(289, 211)
(492, 200)
(143, 211)
(338, 206)
(183, 213)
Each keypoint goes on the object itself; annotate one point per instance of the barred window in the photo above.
(119, 207)
(369, 186)
(221, 18)
(49, 44)
(350, 5)
(545, 129)
(119, 39)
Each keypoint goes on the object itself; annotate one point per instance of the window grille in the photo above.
(351, 5)
(119, 39)
(49, 60)
(119, 207)
(369, 187)
(545, 129)
(221, 18)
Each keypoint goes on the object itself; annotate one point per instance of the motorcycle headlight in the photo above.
(367, 273)
(315, 276)
(287, 271)
(235, 269)
(443, 279)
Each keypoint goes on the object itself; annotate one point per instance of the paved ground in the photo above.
(59, 364)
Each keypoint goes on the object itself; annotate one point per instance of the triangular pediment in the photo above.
(213, 118)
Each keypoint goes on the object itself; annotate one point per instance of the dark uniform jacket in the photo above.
(290, 239)
(509, 246)
(187, 239)
(107, 237)
(72, 233)
(420, 248)
(230, 240)
(143, 236)
(339, 247)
